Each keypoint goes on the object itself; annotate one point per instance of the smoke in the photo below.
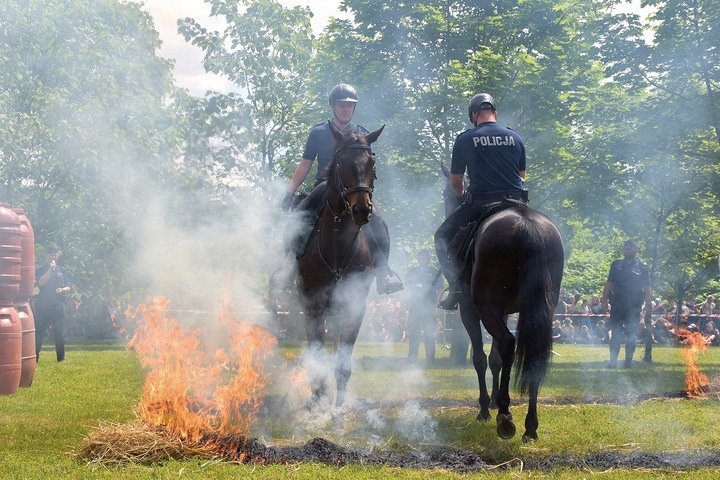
(196, 266)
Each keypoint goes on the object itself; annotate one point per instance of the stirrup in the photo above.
(451, 301)
(387, 286)
(283, 278)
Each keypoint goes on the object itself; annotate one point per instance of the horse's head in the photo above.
(352, 173)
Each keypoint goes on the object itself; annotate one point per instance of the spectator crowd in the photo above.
(580, 320)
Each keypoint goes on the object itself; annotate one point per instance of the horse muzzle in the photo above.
(361, 211)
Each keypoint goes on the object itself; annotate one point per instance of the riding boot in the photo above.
(454, 294)
(379, 243)
(284, 277)
(386, 285)
(453, 277)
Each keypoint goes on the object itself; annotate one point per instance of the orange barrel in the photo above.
(10, 254)
(27, 256)
(28, 355)
(10, 350)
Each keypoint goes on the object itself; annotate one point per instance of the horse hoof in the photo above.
(484, 417)
(505, 426)
(528, 438)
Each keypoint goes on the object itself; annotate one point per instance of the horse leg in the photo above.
(494, 322)
(495, 366)
(471, 321)
(343, 369)
(531, 420)
(347, 335)
(315, 361)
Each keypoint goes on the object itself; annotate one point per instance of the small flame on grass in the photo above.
(693, 344)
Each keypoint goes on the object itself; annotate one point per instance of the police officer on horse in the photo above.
(320, 144)
(494, 158)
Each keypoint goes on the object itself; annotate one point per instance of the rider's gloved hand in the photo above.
(287, 202)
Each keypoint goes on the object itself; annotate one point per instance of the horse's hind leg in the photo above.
(531, 420)
(471, 321)
(495, 367)
(505, 341)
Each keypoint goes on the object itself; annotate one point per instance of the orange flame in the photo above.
(298, 375)
(191, 391)
(696, 382)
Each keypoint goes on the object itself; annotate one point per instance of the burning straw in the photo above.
(191, 392)
(137, 442)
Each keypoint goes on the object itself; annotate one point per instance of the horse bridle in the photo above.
(345, 191)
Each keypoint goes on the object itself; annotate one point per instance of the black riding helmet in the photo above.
(343, 92)
(481, 101)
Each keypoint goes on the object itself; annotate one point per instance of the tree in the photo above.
(670, 183)
(82, 117)
(264, 50)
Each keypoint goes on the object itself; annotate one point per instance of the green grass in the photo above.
(581, 412)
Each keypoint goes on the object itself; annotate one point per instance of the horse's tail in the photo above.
(534, 329)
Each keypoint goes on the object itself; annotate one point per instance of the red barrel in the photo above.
(27, 257)
(10, 254)
(10, 350)
(28, 354)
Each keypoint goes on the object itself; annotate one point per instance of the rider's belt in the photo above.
(471, 198)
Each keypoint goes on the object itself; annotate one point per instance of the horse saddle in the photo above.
(461, 245)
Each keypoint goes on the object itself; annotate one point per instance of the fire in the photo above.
(299, 380)
(191, 391)
(696, 382)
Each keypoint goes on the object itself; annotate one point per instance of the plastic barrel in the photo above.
(10, 254)
(27, 257)
(10, 350)
(28, 355)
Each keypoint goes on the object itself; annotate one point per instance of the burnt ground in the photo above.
(320, 450)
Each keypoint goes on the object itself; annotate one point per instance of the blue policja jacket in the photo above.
(493, 156)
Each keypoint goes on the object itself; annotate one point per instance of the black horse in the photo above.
(336, 270)
(515, 266)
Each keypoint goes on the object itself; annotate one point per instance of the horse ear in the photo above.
(336, 133)
(445, 169)
(371, 137)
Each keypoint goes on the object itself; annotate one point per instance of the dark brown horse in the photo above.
(336, 270)
(516, 266)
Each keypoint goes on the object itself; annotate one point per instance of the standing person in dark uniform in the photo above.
(627, 287)
(494, 157)
(420, 296)
(54, 283)
(321, 144)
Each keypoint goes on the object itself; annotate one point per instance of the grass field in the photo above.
(585, 409)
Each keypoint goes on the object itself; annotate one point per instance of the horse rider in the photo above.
(494, 157)
(320, 144)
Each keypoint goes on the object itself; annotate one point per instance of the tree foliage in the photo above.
(264, 51)
(81, 111)
(619, 112)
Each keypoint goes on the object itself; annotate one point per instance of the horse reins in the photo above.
(337, 218)
(345, 191)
